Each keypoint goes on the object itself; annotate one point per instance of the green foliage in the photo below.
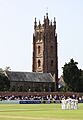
(4, 82)
(73, 76)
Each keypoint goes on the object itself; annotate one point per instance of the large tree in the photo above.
(73, 76)
(4, 82)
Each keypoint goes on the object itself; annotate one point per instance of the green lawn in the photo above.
(38, 112)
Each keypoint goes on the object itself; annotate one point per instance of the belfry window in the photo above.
(39, 49)
(51, 49)
(51, 62)
(39, 63)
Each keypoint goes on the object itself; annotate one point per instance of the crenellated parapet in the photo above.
(47, 23)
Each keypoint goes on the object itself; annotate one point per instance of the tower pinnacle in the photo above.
(35, 23)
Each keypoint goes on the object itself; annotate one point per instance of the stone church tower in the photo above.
(45, 57)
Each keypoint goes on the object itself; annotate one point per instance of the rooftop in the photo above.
(29, 76)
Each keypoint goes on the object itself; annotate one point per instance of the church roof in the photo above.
(29, 76)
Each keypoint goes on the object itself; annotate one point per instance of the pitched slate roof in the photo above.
(29, 76)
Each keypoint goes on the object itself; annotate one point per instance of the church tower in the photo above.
(45, 57)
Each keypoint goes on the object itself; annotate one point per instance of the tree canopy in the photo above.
(4, 82)
(73, 76)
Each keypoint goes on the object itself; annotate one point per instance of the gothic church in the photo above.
(45, 61)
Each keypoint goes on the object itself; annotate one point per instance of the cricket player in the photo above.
(63, 103)
(68, 103)
(76, 104)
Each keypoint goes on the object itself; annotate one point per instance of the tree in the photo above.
(72, 76)
(4, 82)
(81, 81)
(7, 68)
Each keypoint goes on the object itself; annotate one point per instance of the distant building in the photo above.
(30, 81)
(61, 82)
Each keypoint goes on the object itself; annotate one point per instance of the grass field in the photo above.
(39, 112)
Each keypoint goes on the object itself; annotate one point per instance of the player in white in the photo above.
(68, 103)
(72, 103)
(76, 104)
(63, 103)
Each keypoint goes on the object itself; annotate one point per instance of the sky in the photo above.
(17, 27)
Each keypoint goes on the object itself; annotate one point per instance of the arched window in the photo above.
(51, 49)
(51, 62)
(39, 49)
(39, 63)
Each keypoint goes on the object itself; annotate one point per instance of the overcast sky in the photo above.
(17, 26)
